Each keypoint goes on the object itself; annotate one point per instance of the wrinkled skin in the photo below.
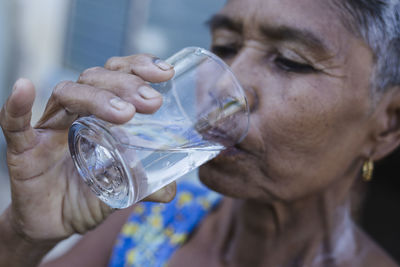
(49, 200)
(309, 125)
(314, 122)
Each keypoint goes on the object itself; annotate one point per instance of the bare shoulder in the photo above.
(370, 253)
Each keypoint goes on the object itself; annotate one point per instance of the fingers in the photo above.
(129, 87)
(164, 195)
(113, 94)
(70, 99)
(148, 67)
(15, 117)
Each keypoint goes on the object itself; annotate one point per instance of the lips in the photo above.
(229, 157)
(234, 151)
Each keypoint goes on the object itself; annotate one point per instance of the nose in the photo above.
(243, 66)
(223, 115)
(252, 99)
(224, 85)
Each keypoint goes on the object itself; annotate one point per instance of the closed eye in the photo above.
(293, 66)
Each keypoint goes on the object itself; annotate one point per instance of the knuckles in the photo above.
(113, 63)
(99, 79)
(118, 63)
(87, 75)
(59, 90)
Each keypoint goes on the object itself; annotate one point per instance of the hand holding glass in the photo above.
(204, 110)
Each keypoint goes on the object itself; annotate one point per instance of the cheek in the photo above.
(314, 114)
(297, 115)
(308, 132)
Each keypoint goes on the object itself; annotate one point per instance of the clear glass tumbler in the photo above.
(204, 110)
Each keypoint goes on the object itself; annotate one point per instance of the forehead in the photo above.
(285, 10)
(318, 16)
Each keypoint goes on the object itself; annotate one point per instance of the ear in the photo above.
(387, 134)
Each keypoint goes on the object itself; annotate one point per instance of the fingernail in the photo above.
(148, 92)
(119, 104)
(162, 64)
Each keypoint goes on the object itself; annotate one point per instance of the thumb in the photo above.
(15, 117)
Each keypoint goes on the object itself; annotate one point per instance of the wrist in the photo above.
(16, 249)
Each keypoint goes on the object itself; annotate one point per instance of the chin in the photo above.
(239, 174)
(230, 174)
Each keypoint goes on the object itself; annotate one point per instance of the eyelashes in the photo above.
(287, 65)
(293, 66)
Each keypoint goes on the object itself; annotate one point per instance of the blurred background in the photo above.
(48, 41)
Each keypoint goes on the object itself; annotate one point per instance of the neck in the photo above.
(310, 232)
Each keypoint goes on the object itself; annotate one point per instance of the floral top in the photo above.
(155, 231)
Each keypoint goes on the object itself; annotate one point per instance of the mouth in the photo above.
(234, 151)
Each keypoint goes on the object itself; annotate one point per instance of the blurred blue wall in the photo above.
(4, 49)
(183, 22)
(100, 29)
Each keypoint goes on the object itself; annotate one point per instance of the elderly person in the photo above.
(322, 78)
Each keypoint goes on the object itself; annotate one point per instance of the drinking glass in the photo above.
(204, 110)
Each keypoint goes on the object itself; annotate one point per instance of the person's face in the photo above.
(307, 79)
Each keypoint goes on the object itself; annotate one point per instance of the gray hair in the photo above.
(378, 23)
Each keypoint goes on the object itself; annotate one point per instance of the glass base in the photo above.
(100, 164)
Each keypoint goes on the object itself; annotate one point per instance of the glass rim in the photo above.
(219, 61)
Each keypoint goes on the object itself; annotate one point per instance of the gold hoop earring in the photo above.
(367, 170)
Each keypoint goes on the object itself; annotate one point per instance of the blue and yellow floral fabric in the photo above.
(154, 231)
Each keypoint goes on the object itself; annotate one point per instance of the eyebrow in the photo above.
(279, 33)
(304, 37)
(223, 22)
